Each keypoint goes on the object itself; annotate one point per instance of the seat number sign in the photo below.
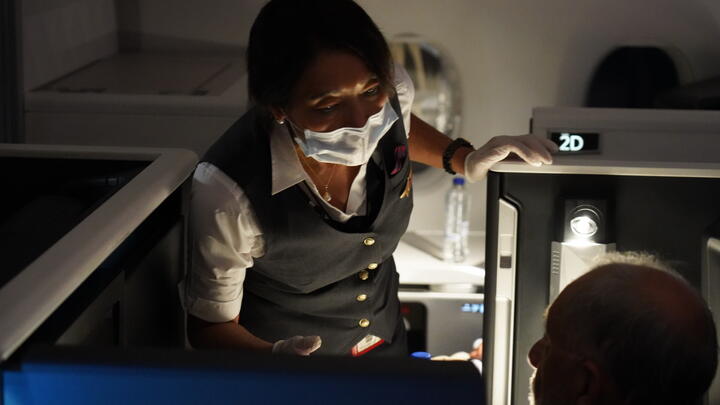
(576, 142)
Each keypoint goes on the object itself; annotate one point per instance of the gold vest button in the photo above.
(369, 241)
(364, 323)
(362, 297)
(372, 266)
(364, 275)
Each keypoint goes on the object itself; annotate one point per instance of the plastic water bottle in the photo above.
(457, 209)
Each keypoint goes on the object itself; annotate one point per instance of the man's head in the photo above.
(629, 331)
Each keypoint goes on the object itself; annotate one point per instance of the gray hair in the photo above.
(650, 359)
(634, 258)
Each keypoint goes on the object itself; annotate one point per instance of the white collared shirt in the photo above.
(226, 233)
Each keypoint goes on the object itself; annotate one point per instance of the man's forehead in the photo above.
(555, 313)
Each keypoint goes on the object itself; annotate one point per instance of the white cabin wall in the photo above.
(60, 36)
(189, 23)
(511, 55)
(515, 55)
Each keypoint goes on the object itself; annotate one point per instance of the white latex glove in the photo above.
(297, 345)
(457, 356)
(530, 148)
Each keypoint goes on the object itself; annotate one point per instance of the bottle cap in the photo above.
(459, 181)
(421, 355)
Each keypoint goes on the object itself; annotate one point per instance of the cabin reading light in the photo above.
(583, 226)
(584, 237)
(585, 221)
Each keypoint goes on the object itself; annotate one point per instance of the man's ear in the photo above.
(594, 385)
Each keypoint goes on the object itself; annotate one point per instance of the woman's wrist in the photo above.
(458, 159)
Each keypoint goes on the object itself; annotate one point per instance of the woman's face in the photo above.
(336, 90)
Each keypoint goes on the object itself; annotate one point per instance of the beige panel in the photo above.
(152, 73)
(189, 132)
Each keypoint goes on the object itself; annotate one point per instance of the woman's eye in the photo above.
(327, 109)
(372, 92)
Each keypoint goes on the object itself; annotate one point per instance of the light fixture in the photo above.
(585, 221)
(584, 237)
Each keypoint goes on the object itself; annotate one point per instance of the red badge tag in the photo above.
(368, 343)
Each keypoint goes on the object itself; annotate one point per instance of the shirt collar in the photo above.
(286, 168)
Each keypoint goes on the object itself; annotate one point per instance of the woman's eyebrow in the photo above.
(371, 79)
(317, 96)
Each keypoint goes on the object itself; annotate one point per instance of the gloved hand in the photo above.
(297, 345)
(530, 148)
(477, 352)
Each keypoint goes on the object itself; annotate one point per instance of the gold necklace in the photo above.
(325, 194)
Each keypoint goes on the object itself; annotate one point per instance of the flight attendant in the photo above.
(296, 210)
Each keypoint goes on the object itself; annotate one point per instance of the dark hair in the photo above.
(288, 34)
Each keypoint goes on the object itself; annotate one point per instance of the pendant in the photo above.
(326, 196)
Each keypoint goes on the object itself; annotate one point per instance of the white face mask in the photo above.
(348, 146)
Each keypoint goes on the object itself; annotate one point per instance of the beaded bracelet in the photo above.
(450, 151)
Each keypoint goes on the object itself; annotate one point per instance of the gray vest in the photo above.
(314, 268)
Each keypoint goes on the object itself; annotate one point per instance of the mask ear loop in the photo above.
(294, 131)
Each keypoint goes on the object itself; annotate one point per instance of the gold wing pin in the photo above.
(408, 184)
